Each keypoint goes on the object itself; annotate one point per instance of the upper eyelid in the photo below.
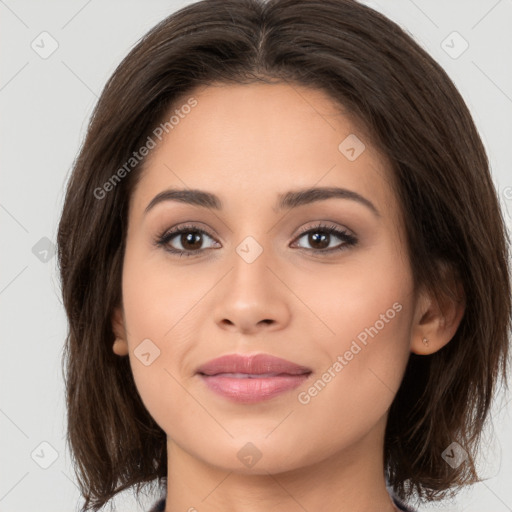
(320, 225)
(325, 225)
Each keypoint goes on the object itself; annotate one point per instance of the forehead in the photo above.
(249, 143)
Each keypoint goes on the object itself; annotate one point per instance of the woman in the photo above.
(284, 267)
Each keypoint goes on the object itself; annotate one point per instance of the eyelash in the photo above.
(349, 240)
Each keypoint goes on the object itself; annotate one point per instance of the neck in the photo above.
(350, 479)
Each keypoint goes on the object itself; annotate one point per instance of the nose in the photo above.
(252, 298)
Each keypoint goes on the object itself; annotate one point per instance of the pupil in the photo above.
(191, 240)
(316, 238)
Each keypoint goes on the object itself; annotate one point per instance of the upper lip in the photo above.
(254, 365)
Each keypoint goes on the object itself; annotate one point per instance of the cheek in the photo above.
(161, 313)
(159, 300)
(368, 308)
(366, 297)
(354, 389)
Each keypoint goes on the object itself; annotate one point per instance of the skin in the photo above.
(247, 144)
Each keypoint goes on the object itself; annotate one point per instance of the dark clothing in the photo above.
(159, 506)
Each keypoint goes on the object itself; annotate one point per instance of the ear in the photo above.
(120, 346)
(437, 320)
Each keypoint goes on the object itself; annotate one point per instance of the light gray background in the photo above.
(45, 107)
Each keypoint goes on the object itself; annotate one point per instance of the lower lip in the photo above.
(251, 390)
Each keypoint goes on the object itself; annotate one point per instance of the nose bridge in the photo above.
(250, 275)
(252, 296)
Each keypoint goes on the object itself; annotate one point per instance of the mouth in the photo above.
(259, 364)
(250, 375)
(251, 379)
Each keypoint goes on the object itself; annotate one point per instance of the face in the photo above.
(319, 280)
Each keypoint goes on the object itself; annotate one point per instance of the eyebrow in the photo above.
(289, 200)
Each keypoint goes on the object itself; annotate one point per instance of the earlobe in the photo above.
(437, 322)
(120, 346)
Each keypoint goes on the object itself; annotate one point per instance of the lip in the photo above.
(250, 379)
(252, 365)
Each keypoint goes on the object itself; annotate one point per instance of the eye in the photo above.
(188, 239)
(321, 237)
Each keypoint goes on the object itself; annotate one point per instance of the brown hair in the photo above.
(414, 116)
